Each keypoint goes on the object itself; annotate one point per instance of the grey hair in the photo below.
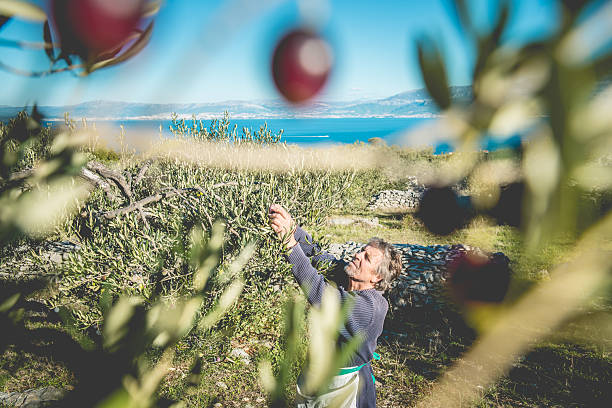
(391, 265)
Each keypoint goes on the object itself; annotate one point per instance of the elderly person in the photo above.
(367, 275)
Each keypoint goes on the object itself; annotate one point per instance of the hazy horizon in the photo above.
(276, 99)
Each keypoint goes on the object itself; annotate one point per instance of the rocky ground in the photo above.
(424, 272)
(47, 256)
(424, 266)
(45, 397)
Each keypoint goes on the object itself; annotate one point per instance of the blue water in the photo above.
(319, 132)
(305, 132)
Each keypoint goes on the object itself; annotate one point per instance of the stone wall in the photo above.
(46, 397)
(423, 274)
(409, 198)
(398, 199)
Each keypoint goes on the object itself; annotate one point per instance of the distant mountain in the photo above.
(416, 103)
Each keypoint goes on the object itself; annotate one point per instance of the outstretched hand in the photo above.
(283, 225)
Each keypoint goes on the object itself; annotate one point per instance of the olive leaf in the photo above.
(49, 50)
(106, 298)
(461, 11)
(23, 10)
(125, 326)
(7, 304)
(205, 257)
(226, 300)
(151, 8)
(324, 360)
(575, 6)
(489, 43)
(170, 325)
(602, 66)
(434, 73)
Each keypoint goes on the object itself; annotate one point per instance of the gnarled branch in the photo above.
(138, 205)
(141, 172)
(113, 176)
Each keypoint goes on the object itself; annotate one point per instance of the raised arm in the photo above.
(311, 281)
(300, 246)
(312, 249)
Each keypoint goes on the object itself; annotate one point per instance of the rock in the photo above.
(34, 398)
(373, 222)
(57, 252)
(407, 199)
(340, 221)
(221, 384)
(398, 199)
(56, 257)
(242, 355)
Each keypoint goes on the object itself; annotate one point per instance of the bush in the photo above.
(219, 131)
(146, 253)
(24, 141)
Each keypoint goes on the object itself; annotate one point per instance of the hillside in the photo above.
(414, 103)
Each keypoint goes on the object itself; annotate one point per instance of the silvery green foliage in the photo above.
(219, 131)
(35, 165)
(146, 253)
(112, 373)
(554, 92)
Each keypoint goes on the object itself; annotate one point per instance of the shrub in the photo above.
(24, 142)
(219, 131)
(146, 252)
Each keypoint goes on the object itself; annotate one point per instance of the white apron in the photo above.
(342, 392)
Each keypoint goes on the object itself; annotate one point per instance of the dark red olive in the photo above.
(89, 28)
(301, 65)
(475, 277)
(443, 211)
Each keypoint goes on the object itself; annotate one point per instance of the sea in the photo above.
(307, 131)
(312, 132)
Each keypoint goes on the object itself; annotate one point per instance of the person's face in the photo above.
(364, 264)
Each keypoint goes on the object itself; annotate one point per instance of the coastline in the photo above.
(243, 116)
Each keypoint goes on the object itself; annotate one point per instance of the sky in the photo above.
(212, 50)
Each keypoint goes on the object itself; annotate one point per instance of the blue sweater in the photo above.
(367, 315)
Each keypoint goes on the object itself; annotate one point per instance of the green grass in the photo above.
(21, 369)
(405, 228)
(417, 347)
(553, 374)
